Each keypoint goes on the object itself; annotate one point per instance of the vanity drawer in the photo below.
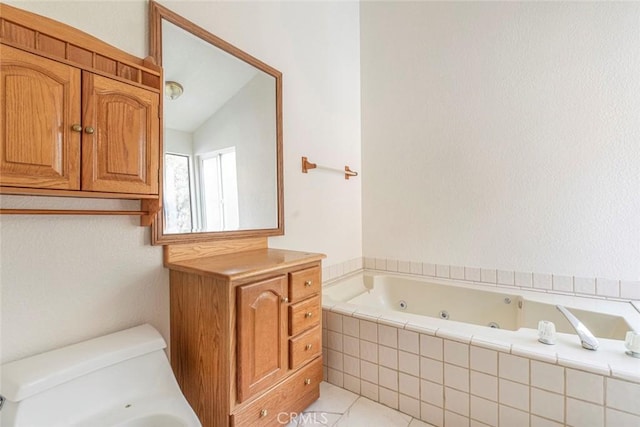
(304, 283)
(291, 396)
(304, 315)
(305, 347)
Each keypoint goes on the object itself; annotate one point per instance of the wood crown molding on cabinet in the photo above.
(52, 39)
(80, 118)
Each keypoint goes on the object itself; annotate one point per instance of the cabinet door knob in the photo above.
(308, 283)
(89, 130)
(285, 299)
(307, 381)
(308, 314)
(76, 128)
(263, 413)
(308, 347)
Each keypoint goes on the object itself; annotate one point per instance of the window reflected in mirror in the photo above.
(219, 190)
(177, 193)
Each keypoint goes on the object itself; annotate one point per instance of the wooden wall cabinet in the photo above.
(78, 117)
(246, 339)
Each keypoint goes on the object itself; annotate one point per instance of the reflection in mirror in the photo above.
(226, 116)
(177, 193)
(222, 136)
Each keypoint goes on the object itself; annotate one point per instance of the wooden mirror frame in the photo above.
(157, 13)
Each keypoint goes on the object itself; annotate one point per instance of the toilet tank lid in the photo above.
(32, 375)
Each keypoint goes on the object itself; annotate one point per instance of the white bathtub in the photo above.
(501, 309)
(385, 338)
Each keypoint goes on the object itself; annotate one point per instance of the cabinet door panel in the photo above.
(40, 104)
(121, 155)
(262, 335)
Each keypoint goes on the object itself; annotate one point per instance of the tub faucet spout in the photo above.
(586, 337)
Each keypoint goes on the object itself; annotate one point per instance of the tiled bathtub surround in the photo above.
(456, 379)
(334, 271)
(590, 287)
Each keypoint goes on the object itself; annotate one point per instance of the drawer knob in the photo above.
(285, 299)
(308, 283)
(307, 381)
(89, 130)
(308, 314)
(308, 347)
(263, 413)
(76, 128)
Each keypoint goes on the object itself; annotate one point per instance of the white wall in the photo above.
(503, 135)
(247, 123)
(65, 279)
(177, 141)
(68, 279)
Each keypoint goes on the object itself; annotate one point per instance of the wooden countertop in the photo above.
(240, 265)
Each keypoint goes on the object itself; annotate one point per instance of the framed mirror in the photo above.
(222, 140)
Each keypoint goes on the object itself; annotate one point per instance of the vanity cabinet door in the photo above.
(262, 335)
(40, 106)
(120, 137)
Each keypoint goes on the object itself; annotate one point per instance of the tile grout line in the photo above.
(349, 408)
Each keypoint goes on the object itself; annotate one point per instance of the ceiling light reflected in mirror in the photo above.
(173, 90)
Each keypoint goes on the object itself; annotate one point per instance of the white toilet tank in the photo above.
(122, 379)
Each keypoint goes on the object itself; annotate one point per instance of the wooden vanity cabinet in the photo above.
(246, 340)
(77, 114)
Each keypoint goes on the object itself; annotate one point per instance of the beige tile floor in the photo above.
(341, 408)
